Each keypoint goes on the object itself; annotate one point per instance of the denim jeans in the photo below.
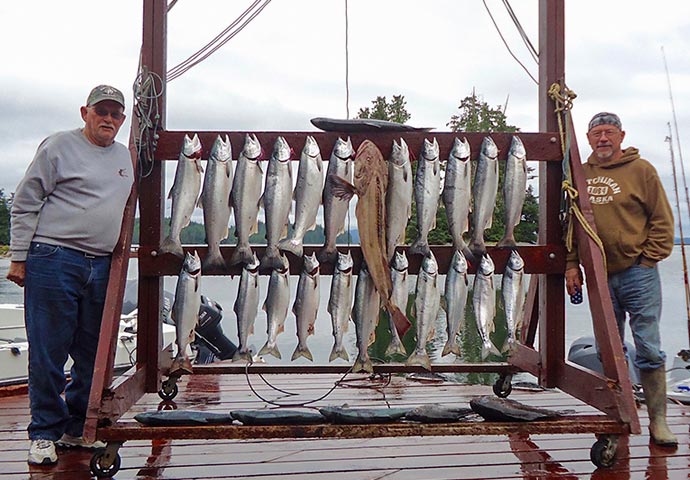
(64, 294)
(637, 292)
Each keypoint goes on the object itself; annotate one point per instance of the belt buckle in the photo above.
(88, 255)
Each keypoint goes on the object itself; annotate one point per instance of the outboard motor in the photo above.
(583, 352)
(210, 339)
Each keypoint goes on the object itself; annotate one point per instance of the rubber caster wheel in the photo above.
(103, 465)
(168, 390)
(503, 386)
(603, 453)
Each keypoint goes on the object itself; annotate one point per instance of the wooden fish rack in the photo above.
(543, 357)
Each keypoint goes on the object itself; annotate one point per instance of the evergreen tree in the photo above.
(5, 205)
(393, 111)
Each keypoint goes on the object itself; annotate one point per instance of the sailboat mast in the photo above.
(669, 139)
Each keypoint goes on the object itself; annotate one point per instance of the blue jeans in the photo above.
(64, 293)
(637, 292)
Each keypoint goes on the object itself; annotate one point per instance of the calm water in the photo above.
(674, 325)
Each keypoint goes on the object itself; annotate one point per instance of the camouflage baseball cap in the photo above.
(605, 118)
(105, 92)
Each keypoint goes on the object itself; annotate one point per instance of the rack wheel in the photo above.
(104, 464)
(168, 390)
(603, 452)
(503, 386)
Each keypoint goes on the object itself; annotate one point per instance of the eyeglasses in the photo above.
(600, 133)
(101, 111)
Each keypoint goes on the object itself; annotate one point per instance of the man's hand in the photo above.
(573, 280)
(17, 273)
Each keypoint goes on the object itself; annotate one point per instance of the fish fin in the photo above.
(181, 364)
(243, 254)
(341, 188)
(338, 353)
(396, 347)
(328, 255)
(507, 345)
(489, 350)
(255, 228)
(170, 245)
(419, 247)
(451, 346)
(270, 350)
(213, 262)
(419, 358)
(363, 365)
(291, 245)
(302, 352)
(508, 240)
(271, 258)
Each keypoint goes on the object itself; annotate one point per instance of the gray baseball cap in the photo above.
(105, 92)
(605, 118)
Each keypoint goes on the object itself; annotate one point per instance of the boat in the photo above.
(14, 348)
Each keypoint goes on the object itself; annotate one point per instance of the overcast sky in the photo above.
(288, 65)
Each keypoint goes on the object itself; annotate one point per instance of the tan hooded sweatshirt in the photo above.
(632, 214)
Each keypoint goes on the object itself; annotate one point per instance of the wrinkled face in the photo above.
(102, 121)
(606, 141)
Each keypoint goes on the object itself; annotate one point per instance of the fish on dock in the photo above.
(494, 409)
(370, 184)
(457, 192)
(426, 304)
(484, 191)
(307, 195)
(277, 416)
(340, 304)
(246, 308)
(306, 306)
(457, 288)
(398, 196)
(513, 294)
(276, 307)
(245, 197)
(277, 200)
(484, 302)
(184, 193)
(172, 418)
(215, 202)
(346, 415)
(185, 310)
(427, 185)
(514, 190)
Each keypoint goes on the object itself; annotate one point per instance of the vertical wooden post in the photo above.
(151, 204)
(551, 289)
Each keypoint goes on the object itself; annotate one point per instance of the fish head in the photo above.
(369, 164)
(517, 148)
(461, 149)
(191, 147)
(515, 262)
(253, 265)
(459, 262)
(221, 150)
(281, 150)
(486, 266)
(400, 153)
(311, 148)
(252, 147)
(343, 148)
(311, 264)
(430, 150)
(400, 262)
(345, 262)
(489, 148)
(429, 264)
(192, 263)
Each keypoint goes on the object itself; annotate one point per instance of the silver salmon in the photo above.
(513, 298)
(245, 197)
(514, 188)
(246, 307)
(307, 195)
(306, 306)
(427, 185)
(340, 304)
(276, 307)
(427, 302)
(185, 310)
(457, 192)
(484, 302)
(398, 196)
(335, 208)
(484, 192)
(215, 202)
(365, 314)
(399, 276)
(277, 201)
(457, 287)
(183, 193)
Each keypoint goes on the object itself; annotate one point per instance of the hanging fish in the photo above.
(398, 196)
(307, 196)
(399, 276)
(306, 306)
(457, 192)
(484, 302)
(185, 310)
(427, 184)
(246, 307)
(484, 192)
(365, 314)
(245, 197)
(340, 304)
(277, 201)
(426, 303)
(457, 287)
(513, 298)
(276, 307)
(215, 202)
(183, 193)
(514, 189)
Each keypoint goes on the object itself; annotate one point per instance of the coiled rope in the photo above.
(563, 98)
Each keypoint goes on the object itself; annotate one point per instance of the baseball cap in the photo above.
(605, 118)
(105, 92)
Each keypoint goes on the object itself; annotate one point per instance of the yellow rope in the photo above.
(563, 98)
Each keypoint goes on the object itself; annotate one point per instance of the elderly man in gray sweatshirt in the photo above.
(66, 218)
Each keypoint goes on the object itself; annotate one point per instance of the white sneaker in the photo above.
(68, 441)
(42, 452)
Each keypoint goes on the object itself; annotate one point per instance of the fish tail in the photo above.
(328, 254)
(181, 364)
(396, 347)
(363, 365)
(213, 262)
(338, 351)
(508, 345)
(508, 240)
(269, 349)
(477, 247)
(291, 245)
(451, 346)
(242, 354)
(489, 349)
(302, 352)
(419, 247)
(171, 245)
(419, 358)
(271, 258)
(242, 254)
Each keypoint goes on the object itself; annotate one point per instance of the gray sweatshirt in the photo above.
(73, 194)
